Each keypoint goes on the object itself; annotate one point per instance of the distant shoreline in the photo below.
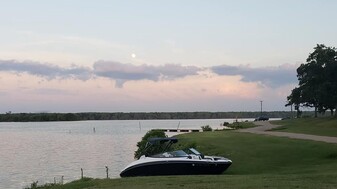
(84, 116)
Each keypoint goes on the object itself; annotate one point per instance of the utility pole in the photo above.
(261, 108)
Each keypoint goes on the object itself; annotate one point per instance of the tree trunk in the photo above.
(331, 111)
(315, 111)
(298, 113)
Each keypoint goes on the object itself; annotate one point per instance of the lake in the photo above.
(46, 151)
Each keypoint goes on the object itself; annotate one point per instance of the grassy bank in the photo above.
(258, 162)
(208, 182)
(313, 126)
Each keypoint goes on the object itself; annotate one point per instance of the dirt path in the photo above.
(263, 126)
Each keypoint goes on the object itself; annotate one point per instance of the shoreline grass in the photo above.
(208, 181)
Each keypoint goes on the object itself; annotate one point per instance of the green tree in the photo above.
(295, 99)
(317, 81)
(330, 85)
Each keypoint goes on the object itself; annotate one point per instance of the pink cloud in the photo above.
(176, 88)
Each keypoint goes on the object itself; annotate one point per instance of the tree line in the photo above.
(317, 82)
(32, 117)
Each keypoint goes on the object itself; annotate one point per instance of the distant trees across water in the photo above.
(317, 82)
(39, 117)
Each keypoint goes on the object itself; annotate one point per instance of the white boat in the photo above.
(179, 162)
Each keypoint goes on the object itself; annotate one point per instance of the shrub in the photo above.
(206, 128)
(225, 123)
(142, 144)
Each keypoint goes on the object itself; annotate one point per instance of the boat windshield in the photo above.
(178, 153)
(194, 151)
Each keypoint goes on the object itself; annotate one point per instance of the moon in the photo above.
(133, 55)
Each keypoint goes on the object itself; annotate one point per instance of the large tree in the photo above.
(317, 81)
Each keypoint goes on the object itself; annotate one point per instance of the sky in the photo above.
(156, 56)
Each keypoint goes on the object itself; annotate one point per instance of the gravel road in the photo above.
(264, 126)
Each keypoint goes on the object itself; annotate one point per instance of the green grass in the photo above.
(208, 182)
(258, 162)
(259, 154)
(313, 126)
(241, 125)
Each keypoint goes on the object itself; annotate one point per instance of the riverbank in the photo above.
(84, 116)
(259, 161)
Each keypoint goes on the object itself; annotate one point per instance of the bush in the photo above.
(206, 128)
(142, 144)
(236, 125)
(225, 123)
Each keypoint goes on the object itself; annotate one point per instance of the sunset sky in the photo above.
(132, 56)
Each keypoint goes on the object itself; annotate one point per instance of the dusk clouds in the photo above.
(127, 72)
(122, 72)
(47, 71)
(269, 76)
(137, 86)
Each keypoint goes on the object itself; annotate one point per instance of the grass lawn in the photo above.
(313, 126)
(242, 125)
(208, 182)
(258, 162)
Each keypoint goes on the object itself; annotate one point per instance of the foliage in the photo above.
(206, 128)
(317, 81)
(34, 117)
(77, 184)
(34, 185)
(295, 99)
(241, 125)
(142, 148)
(225, 123)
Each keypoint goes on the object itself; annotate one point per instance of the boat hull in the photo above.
(178, 167)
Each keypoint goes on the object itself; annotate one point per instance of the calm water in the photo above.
(44, 151)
